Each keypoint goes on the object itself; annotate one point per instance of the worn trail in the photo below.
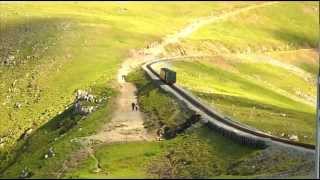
(127, 125)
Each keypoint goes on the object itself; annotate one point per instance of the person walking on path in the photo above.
(136, 107)
(133, 106)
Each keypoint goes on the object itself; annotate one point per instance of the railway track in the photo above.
(217, 119)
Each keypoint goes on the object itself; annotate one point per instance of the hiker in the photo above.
(123, 77)
(136, 107)
(133, 106)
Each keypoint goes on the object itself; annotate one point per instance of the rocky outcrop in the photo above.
(82, 109)
(84, 95)
(294, 138)
(84, 102)
(25, 173)
(50, 153)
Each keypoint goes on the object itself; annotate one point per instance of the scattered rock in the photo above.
(283, 115)
(294, 138)
(283, 134)
(84, 95)
(11, 58)
(29, 131)
(1, 140)
(25, 173)
(17, 105)
(14, 83)
(79, 106)
(97, 170)
(26, 134)
(51, 153)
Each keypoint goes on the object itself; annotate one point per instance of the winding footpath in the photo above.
(127, 125)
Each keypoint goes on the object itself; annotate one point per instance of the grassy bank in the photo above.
(263, 67)
(197, 153)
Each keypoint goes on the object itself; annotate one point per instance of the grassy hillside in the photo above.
(49, 50)
(263, 67)
(306, 59)
(197, 153)
(280, 26)
(60, 134)
(248, 100)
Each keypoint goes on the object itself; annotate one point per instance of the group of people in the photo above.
(134, 106)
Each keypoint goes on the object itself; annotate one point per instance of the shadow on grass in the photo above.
(248, 103)
(43, 136)
(298, 39)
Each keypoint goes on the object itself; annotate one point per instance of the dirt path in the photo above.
(127, 125)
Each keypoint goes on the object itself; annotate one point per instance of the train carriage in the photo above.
(168, 76)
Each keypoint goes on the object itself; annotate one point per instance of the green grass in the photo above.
(248, 100)
(119, 161)
(271, 98)
(197, 153)
(60, 47)
(30, 153)
(280, 26)
(154, 103)
(306, 59)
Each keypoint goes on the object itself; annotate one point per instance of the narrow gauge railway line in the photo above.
(222, 124)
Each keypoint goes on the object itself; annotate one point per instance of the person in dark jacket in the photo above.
(133, 106)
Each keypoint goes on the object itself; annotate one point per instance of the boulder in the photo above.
(283, 115)
(294, 138)
(26, 134)
(17, 105)
(25, 173)
(84, 95)
(83, 110)
(51, 153)
(1, 140)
